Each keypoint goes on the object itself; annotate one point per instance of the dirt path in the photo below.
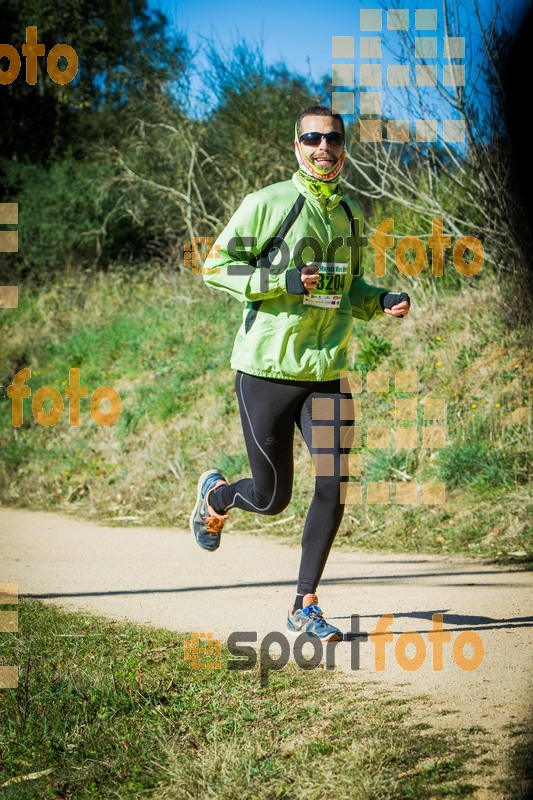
(161, 577)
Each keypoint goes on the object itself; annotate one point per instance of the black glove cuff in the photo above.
(293, 281)
(390, 299)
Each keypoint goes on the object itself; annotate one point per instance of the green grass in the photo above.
(109, 710)
(163, 340)
(518, 783)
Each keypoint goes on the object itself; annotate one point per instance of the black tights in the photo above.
(269, 409)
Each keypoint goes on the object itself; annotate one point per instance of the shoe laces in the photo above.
(213, 526)
(314, 612)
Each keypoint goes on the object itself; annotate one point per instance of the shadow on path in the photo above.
(466, 620)
(258, 584)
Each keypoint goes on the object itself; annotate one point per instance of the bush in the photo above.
(475, 462)
(61, 216)
(372, 352)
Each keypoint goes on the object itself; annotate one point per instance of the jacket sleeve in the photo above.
(365, 299)
(244, 237)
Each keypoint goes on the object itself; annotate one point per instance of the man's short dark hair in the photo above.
(319, 111)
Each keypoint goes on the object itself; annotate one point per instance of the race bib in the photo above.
(323, 300)
(328, 293)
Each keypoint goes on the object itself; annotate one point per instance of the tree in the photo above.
(182, 177)
(468, 186)
(124, 52)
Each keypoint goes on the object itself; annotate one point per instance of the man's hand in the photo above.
(309, 276)
(303, 280)
(399, 310)
(396, 305)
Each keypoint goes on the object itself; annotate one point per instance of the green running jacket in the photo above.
(283, 335)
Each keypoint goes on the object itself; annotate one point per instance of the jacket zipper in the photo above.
(325, 312)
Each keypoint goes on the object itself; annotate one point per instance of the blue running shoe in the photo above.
(310, 620)
(205, 524)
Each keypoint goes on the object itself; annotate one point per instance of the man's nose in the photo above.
(324, 144)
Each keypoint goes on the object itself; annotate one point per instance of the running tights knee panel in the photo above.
(269, 410)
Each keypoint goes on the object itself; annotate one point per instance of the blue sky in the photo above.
(300, 34)
(289, 31)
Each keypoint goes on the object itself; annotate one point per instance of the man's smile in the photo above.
(323, 161)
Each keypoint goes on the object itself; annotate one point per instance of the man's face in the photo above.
(326, 154)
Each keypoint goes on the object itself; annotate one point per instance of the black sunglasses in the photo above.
(314, 138)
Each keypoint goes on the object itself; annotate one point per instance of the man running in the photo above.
(290, 350)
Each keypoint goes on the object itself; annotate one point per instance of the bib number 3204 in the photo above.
(330, 285)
